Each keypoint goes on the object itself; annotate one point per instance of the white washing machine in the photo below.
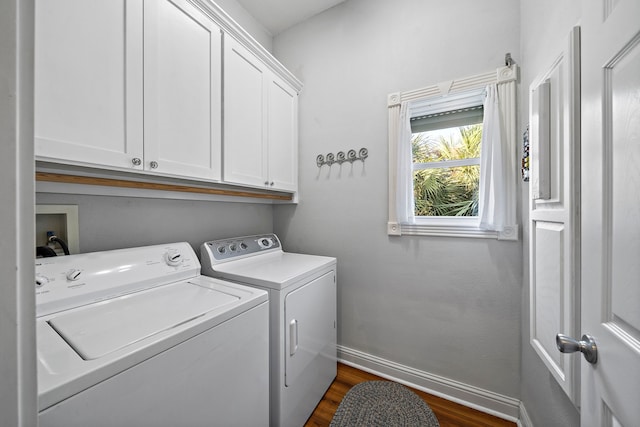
(137, 337)
(302, 298)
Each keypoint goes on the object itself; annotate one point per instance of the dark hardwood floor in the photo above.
(449, 414)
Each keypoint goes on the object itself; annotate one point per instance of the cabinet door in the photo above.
(182, 90)
(244, 116)
(283, 136)
(310, 330)
(88, 82)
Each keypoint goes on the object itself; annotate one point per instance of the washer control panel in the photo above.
(235, 248)
(65, 282)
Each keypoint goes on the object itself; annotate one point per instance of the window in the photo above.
(445, 148)
(442, 181)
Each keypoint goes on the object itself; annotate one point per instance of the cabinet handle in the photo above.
(136, 161)
(266, 183)
(153, 164)
(271, 183)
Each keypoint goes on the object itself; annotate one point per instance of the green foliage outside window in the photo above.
(447, 191)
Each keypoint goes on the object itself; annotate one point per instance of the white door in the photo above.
(554, 238)
(611, 211)
(88, 82)
(283, 135)
(182, 90)
(245, 97)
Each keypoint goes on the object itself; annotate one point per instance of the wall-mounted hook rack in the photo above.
(340, 157)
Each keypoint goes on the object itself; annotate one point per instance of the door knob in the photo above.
(587, 346)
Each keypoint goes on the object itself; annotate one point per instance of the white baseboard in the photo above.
(524, 420)
(482, 400)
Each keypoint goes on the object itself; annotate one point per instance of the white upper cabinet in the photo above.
(282, 123)
(137, 85)
(182, 90)
(245, 96)
(88, 82)
(260, 123)
(131, 90)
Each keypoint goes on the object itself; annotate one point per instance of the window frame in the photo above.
(450, 226)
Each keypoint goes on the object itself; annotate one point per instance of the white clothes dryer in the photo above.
(137, 337)
(302, 298)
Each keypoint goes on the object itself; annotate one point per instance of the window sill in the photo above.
(450, 229)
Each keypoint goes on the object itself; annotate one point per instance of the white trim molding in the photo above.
(524, 420)
(486, 401)
(451, 230)
(231, 27)
(506, 78)
(18, 363)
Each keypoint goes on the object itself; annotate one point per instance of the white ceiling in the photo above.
(278, 15)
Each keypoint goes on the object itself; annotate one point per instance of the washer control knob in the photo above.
(173, 257)
(243, 246)
(74, 274)
(41, 281)
(233, 247)
(222, 249)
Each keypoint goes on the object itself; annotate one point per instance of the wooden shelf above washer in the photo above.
(142, 185)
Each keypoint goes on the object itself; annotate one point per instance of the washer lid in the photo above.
(113, 324)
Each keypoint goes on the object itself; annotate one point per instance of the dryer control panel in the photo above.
(227, 249)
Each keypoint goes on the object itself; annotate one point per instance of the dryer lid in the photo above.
(277, 270)
(110, 325)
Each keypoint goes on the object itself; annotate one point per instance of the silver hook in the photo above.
(330, 159)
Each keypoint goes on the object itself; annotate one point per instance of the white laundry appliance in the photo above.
(302, 298)
(138, 337)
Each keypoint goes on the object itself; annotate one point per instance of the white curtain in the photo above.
(404, 191)
(494, 169)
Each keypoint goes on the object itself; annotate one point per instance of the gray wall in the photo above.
(545, 26)
(447, 306)
(119, 222)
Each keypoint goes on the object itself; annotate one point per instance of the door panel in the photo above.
(611, 205)
(553, 248)
(310, 329)
(283, 136)
(88, 82)
(549, 292)
(625, 245)
(244, 116)
(182, 90)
